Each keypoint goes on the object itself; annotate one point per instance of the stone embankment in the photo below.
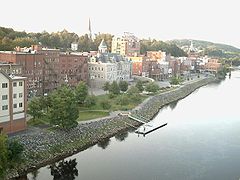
(44, 146)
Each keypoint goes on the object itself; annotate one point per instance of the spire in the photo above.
(102, 48)
(89, 29)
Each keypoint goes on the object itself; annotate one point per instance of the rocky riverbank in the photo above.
(43, 146)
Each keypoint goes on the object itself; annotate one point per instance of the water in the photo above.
(201, 141)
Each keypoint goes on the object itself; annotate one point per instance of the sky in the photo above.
(211, 20)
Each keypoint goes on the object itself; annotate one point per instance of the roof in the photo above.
(12, 77)
(103, 44)
(111, 57)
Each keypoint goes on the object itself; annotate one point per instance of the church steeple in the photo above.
(89, 29)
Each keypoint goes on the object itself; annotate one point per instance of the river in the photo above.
(201, 141)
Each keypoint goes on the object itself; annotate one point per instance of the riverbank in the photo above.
(44, 146)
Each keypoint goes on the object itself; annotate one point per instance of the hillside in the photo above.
(205, 45)
(9, 39)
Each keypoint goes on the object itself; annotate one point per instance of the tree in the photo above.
(106, 86)
(175, 80)
(3, 155)
(35, 108)
(139, 85)
(123, 85)
(63, 110)
(15, 150)
(114, 88)
(152, 87)
(133, 90)
(81, 92)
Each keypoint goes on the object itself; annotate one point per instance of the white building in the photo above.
(108, 67)
(13, 103)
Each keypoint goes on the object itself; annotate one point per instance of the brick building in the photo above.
(46, 69)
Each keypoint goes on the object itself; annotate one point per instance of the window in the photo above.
(5, 107)
(4, 97)
(20, 105)
(20, 95)
(14, 105)
(14, 96)
(4, 85)
(14, 84)
(20, 83)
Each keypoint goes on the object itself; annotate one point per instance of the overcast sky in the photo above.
(212, 20)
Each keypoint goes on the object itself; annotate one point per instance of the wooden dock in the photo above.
(147, 129)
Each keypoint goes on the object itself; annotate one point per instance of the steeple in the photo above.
(89, 29)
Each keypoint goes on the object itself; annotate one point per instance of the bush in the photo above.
(90, 101)
(105, 104)
(152, 87)
(133, 90)
(122, 100)
(176, 80)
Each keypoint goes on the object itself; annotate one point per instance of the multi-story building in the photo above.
(137, 64)
(213, 65)
(127, 45)
(10, 68)
(13, 102)
(108, 67)
(46, 69)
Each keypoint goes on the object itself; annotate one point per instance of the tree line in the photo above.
(62, 40)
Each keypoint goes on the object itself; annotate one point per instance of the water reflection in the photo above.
(64, 170)
(121, 136)
(173, 105)
(35, 174)
(104, 143)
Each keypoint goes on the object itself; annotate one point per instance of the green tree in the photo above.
(3, 155)
(133, 90)
(139, 85)
(175, 80)
(152, 87)
(114, 88)
(35, 108)
(123, 85)
(81, 92)
(106, 86)
(63, 110)
(15, 150)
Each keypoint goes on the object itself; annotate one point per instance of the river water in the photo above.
(201, 141)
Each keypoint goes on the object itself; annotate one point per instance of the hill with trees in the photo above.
(62, 40)
(222, 51)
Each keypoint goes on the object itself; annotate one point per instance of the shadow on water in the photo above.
(104, 143)
(121, 136)
(173, 105)
(64, 170)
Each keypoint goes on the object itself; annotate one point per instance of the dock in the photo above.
(146, 127)
(145, 130)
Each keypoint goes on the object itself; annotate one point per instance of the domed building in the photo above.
(108, 67)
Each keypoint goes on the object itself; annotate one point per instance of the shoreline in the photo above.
(50, 148)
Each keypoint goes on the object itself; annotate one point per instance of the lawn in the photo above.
(91, 114)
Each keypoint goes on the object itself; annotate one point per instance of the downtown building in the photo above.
(46, 69)
(108, 67)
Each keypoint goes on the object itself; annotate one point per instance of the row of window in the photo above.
(5, 97)
(5, 107)
(5, 85)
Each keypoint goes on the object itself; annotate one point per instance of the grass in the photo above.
(91, 114)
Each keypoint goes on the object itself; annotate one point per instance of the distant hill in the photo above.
(205, 45)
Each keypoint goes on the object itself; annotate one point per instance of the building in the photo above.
(74, 46)
(13, 103)
(156, 55)
(137, 64)
(46, 69)
(127, 45)
(108, 67)
(213, 65)
(10, 68)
